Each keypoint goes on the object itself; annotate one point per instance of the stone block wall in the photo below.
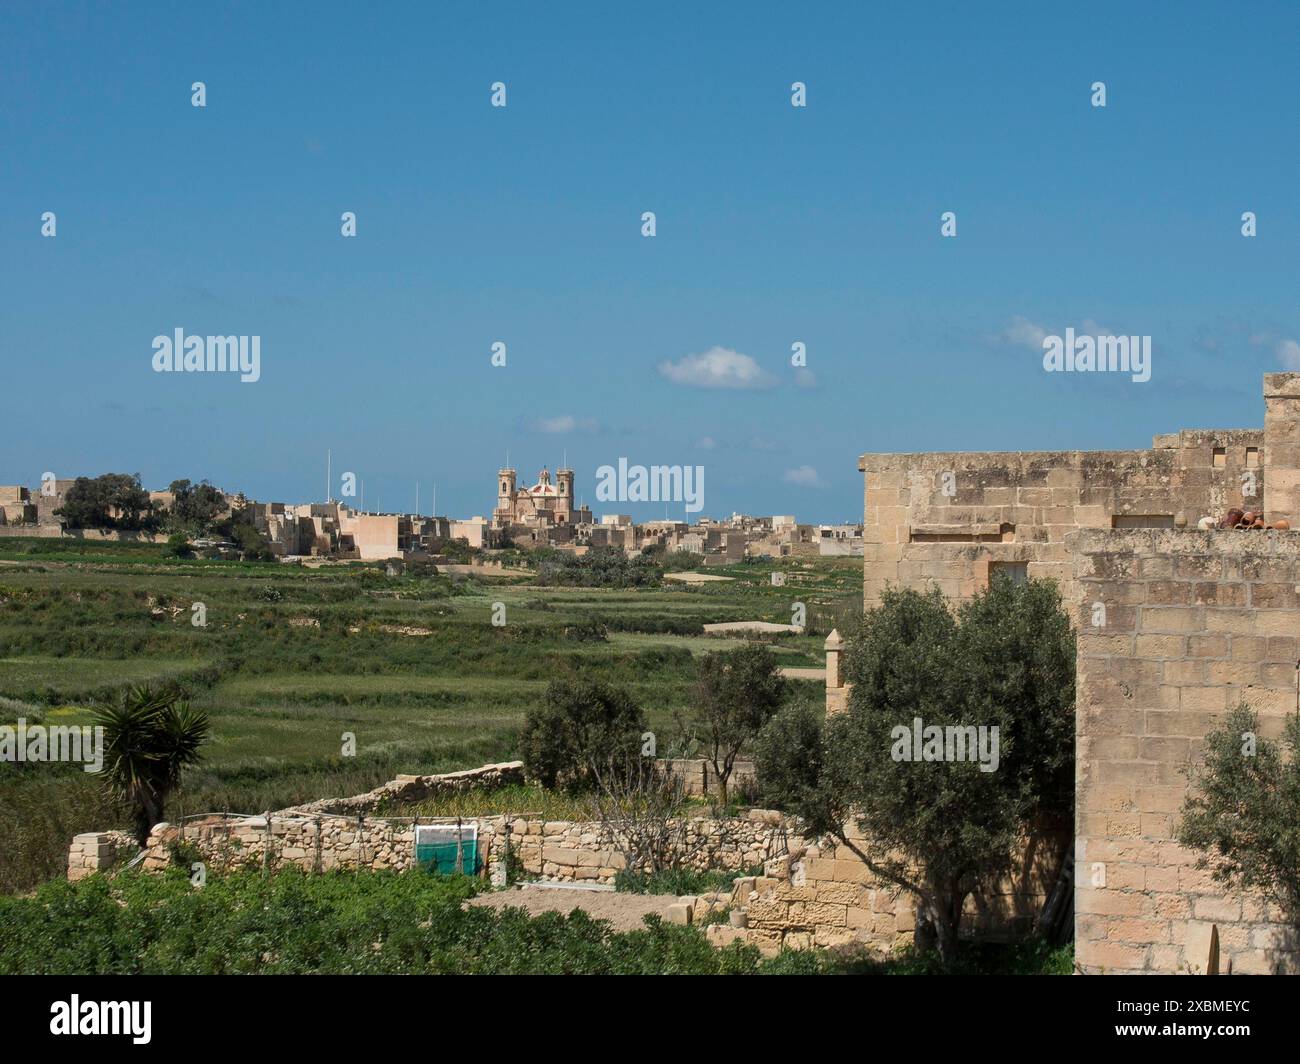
(1282, 446)
(98, 851)
(355, 833)
(821, 894)
(311, 843)
(700, 780)
(945, 518)
(553, 850)
(563, 851)
(1194, 623)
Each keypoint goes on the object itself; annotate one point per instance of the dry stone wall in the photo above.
(416, 789)
(552, 850)
(822, 895)
(813, 893)
(353, 833)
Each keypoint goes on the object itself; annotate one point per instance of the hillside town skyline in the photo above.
(544, 514)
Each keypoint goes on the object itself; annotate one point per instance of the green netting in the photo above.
(440, 857)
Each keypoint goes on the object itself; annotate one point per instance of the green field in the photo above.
(292, 658)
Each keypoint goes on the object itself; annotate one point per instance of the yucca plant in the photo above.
(150, 737)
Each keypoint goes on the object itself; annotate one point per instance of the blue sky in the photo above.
(522, 224)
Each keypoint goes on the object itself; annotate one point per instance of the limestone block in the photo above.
(679, 913)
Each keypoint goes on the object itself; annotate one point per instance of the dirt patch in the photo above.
(751, 626)
(697, 578)
(623, 911)
(798, 672)
(404, 629)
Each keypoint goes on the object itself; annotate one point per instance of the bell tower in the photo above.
(564, 505)
(505, 492)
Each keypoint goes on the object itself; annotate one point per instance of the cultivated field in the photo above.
(291, 658)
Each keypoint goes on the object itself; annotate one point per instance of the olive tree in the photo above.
(736, 693)
(581, 728)
(958, 738)
(1243, 810)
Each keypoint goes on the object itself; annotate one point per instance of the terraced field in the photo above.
(291, 658)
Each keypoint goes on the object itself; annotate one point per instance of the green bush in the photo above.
(580, 726)
(599, 567)
(335, 923)
(178, 546)
(788, 755)
(343, 923)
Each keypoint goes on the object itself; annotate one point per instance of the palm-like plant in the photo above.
(150, 736)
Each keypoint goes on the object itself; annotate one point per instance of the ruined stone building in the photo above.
(954, 518)
(1175, 627)
(16, 505)
(21, 506)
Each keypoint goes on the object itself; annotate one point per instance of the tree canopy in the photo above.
(959, 736)
(113, 500)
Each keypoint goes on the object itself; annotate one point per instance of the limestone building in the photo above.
(544, 505)
(955, 518)
(1175, 627)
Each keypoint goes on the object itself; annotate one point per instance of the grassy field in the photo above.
(291, 658)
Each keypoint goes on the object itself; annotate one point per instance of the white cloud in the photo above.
(707, 444)
(1289, 352)
(718, 367)
(558, 426)
(805, 476)
(1021, 332)
(1024, 333)
(805, 378)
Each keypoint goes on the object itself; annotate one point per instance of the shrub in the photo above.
(366, 922)
(150, 736)
(788, 755)
(178, 546)
(599, 567)
(580, 725)
(335, 923)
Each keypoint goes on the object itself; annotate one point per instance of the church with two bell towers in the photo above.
(541, 506)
